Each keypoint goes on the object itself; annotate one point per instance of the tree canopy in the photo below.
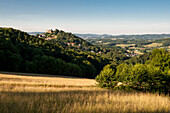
(152, 76)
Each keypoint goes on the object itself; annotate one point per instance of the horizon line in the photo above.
(91, 33)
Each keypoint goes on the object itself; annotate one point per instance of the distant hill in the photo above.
(34, 33)
(106, 36)
(144, 36)
(93, 35)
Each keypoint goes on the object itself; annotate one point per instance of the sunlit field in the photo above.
(36, 93)
(153, 45)
(125, 45)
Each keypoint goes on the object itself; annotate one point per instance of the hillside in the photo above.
(22, 52)
(64, 38)
(69, 41)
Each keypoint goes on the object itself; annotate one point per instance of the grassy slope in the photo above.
(40, 93)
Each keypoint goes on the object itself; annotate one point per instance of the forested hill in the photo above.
(63, 53)
(64, 38)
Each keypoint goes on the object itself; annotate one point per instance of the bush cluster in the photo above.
(153, 76)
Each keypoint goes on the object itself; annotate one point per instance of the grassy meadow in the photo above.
(37, 93)
(154, 45)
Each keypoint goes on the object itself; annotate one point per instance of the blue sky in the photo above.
(87, 16)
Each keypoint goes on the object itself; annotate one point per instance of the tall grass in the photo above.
(84, 99)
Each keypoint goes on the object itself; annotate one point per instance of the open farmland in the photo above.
(125, 45)
(153, 45)
(37, 93)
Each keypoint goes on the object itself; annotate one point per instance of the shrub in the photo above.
(106, 77)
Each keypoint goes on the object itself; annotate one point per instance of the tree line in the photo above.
(152, 76)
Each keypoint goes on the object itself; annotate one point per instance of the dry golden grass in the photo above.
(66, 96)
(107, 43)
(154, 45)
(40, 79)
(125, 45)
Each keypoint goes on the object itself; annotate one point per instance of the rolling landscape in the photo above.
(122, 79)
(84, 56)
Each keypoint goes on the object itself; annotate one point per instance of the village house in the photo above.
(68, 43)
(71, 44)
(48, 38)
